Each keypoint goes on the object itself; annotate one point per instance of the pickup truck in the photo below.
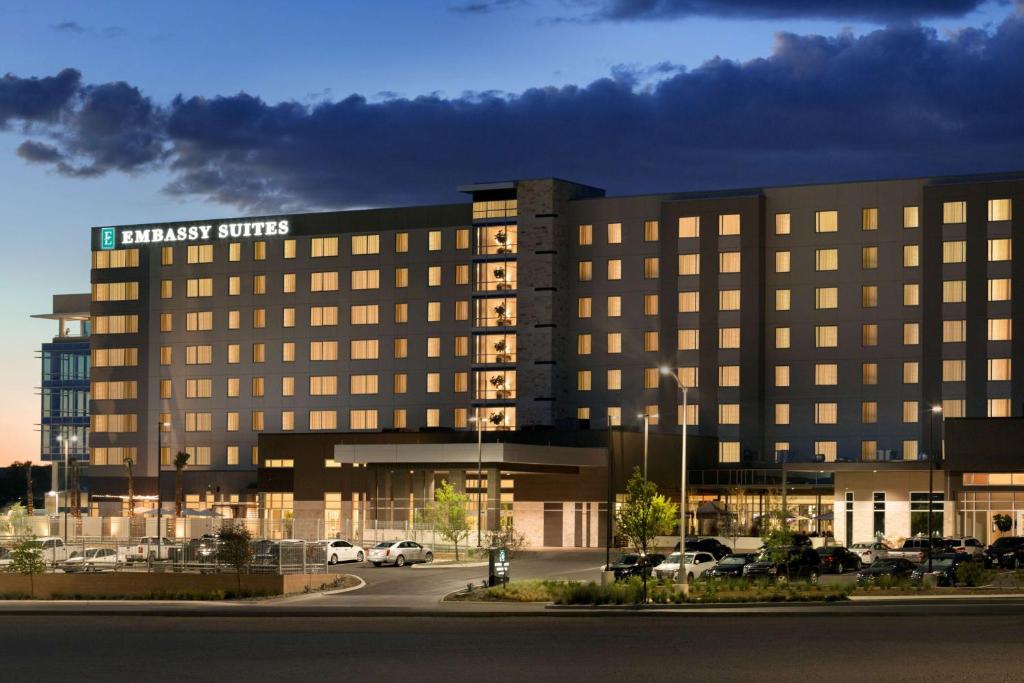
(150, 548)
(918, 549)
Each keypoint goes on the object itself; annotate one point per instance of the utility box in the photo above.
(497, 566)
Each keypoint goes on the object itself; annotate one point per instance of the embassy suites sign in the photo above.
(117, 238)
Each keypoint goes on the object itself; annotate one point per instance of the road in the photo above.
(836, 645)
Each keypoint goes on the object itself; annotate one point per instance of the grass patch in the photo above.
(172, 595)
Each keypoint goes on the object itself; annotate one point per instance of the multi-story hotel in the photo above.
(329, 366)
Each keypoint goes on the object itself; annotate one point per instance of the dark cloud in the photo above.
(897, 101)
(37, 99)
(485, 6)
(69, 27)
(883, 11)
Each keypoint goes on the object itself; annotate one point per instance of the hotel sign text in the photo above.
(112, 238)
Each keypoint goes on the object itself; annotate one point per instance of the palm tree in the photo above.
(180, 460)
(129, 464)
(76, 490)
(29, 503)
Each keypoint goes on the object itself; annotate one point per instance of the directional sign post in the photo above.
(497, 566)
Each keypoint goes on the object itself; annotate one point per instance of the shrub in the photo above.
(972, 574)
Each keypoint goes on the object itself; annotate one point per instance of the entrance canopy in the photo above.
(509, 456)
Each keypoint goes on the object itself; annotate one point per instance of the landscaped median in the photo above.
(658, 592)
(165, 586)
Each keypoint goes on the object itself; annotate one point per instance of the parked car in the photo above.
(95, 560)
(707, 545)
(944, 566)
(1006, 552)
(202, 550)
(835, 559)
(400, 553)
(697, 563)
(338, 550)
(150, 548)
(284, 553)
(895, 567)
(53, 548)
(730, 566)
(869, 552)
(966, 544)
(802, 562)
(919, 548)
(632, 564)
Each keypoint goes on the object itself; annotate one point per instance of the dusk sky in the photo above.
(128, 112)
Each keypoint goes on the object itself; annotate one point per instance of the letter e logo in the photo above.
(108, 238)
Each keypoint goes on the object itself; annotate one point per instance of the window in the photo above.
(783, 299)
(363, 384)
(289, 249)
(259, 284)
(826, 221)
(869, 296)
(954, 291)
(259, 251)
(999, 329)
(118, 258)
(954, 331)
(954, 251)
(651, 268)
(583, 344)
(999, 370)
(999, 289)
(911, 217)
(614, 378)
(782, 375)
(782, 340)
(954, 212)
(198, 388)
(689, 264)
(614, 341)
(728, 337)
(728, 451)
(826, 413)
(954, 370)
(729, 300)
(826, 259)
(729, 262)
(107, 358)
(365, 244)
(434, 240)
(689, 302)
(323, 350)
(953, 408)
(259, 318)
(234, 285)
(323, 316)
(166, 322)
(689, 226)
(500, 208)
(433, 276)
(614, 233)
(1000, 249)
(365, 349)
(287, 386)
(585, 234)
(362, 419)
(782, 223)
(583, 380)
(688, 340)
(826, 374)
(257, 386)
(115, 324)
(614, 270)
(782, 262)
(999, 210)
(199, 253)
(869, 258)
(728, 413)
(614, 306)
(400, 383)
(911, 372)
(999, 407)
(650, 231)
(728, 375)
(911, 256)
(583, 307)
(462, 274)
(401, 313)
(199, 355)
(729, 224)
(400, 347)
(869, 373)
(370, 279)
(433, 347)
(364, 314)
(911, 294)
(462, 238)
(826, 336)
(586, 271)
(401, 242)
(826, 297)
(869, 412)
(259, 352)
(288, 283)
(869, 219)
(166, 289)
(323, 419)
(650, 304)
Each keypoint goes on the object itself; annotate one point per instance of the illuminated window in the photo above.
(826, 336)
(166, 289)
(954, 331)
(954, 212)
(869, 296)
(729, 300)
(257, 387)
(323, 419)
(324, 350)
(364, 314)
(287, 386)
(259, 352)
(689, 226)
(585, 234)
(1000, 249)
(910, 217)
(614, 378)
(401, 313)
(869, 334)
(614, 270)
(869, 412)
(583, 380)
(323, 282)
(782, 375)
(614, 233)
(782, 262)
(689, 264)
(954, 251)
(289, 249)
(954, 370)
(911, 294)
(869, 258)
(166, 322)
(323, 316)
(728, 375)
(729, 224)
(826, 374)
(199, 253)
(826, 413)
(728, 337)
(259, 284)
(434, 240)
(369, 279)
(869, 219)
(826, 259)
(650, 231)
(729, 262)
(362, 384)
(586, 271)
(651, 341)
(462, 274)
(166, 256)
(826, 221)
(365, 244)
(234, 285)
(688, 340)
(259, 251)
(911, 372)
(782, 413)
(259, 318)
(999, 210)
(826, 297)
(999, 370)
(614, 342)
(400, 347)
(728, 413)
(462, 238)
(288, 283)
(999, 289)
(954, 291)
(650, 304)
(728, 451)
(362, 419)
(911, 256)
(999, 407)
(614, 306)
(583, 344)
(651, 268)
(999, 329)
(433, 311)
(689, 302)
(782, 223)
(367, 349)
(911, 334)
(783, 299)
(869, 373)
(401, 242)
(583, 307)
(782, 340)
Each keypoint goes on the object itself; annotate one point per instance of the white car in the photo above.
(150, 548)
(94, 560)
(399, 553)
(969, 545)
(338, 550)
(696, 564)
(54, 549)
(869, 552)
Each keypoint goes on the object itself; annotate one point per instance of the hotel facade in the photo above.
(331, 367)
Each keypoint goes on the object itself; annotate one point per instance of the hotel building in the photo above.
(327, 366)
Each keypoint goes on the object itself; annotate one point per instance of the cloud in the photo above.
(903, 100)
(485, 6)
(69, 27)
(75, 27)
(882, 11)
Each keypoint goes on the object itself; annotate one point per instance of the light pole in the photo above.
(932, 412)
(479, 469)
(683, 583)
(64, 443)
(160, 424)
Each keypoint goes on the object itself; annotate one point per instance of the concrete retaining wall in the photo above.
(141, 584)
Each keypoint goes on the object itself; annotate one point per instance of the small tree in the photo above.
(447, 514)
(129, 464)
(27, 558)
(1003, 522)
(235, 548)
(646, 514)
(508, 537)
(14, 521)
(180, 460)
(777, 538)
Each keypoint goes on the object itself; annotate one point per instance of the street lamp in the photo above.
(64, 443)
(683, 583)
(647, 421)
(160, 424)
(479, 469)
(932, 412)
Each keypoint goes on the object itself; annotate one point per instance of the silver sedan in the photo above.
(399, 553)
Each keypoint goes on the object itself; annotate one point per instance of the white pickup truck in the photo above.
(150, 548)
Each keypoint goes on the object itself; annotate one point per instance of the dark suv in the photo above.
(1006, 552)
(802, 562)
(706, 545)
(631, 564)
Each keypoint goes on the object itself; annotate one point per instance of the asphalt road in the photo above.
(835, 646)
